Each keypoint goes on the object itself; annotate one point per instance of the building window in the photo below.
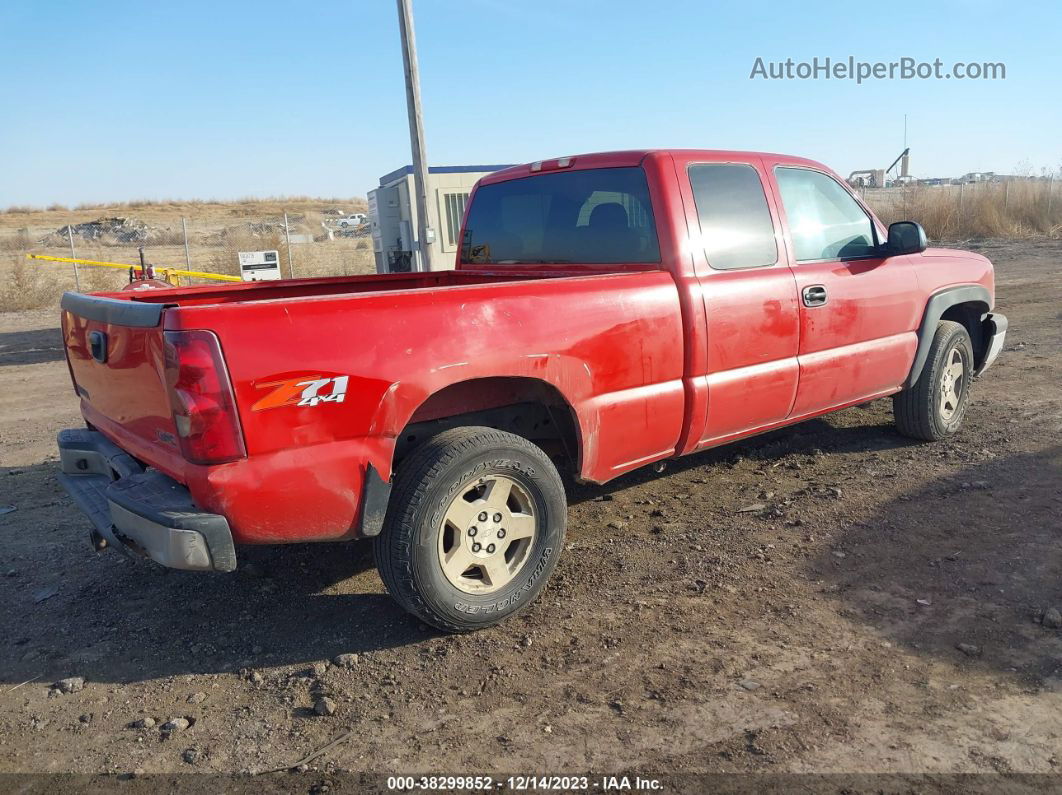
(454, 210)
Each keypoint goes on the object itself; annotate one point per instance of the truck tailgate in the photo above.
(115, 351)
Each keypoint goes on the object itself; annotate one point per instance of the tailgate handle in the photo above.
(98, 346)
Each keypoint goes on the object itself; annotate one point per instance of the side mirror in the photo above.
(906, 237)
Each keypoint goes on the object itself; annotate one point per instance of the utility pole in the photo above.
(187, 254)
(287, 242)
(425, 232)
(70, 235)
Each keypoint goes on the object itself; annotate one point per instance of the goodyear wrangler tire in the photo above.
(475, 525)
(935, 406)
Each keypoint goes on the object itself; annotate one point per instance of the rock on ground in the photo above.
(71, 684)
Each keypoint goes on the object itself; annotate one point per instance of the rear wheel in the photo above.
(935, 406)
(474, 530)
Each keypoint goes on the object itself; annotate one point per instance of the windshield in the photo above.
(592, 216)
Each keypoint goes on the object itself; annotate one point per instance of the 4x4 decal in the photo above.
(304, 390)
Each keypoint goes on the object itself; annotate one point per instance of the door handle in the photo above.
(814, 295)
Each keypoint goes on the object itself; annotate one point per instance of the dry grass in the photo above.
(199, 209)
(17, 241)
(1003, 210)
(224, 258)
(26, 285)
(216, 232)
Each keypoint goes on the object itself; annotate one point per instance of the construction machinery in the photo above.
(879, 177)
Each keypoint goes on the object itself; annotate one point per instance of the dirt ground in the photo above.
(820, 633)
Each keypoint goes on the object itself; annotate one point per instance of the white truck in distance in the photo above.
(354, 219)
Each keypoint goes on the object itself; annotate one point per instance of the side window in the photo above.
(736, 225)
(824, 220)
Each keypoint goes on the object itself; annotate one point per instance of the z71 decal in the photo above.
(305, 390)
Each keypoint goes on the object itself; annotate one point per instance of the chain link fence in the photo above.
(1016, 208)
(198, 237)
(207, 236)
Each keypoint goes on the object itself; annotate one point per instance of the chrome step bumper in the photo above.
(141, 511)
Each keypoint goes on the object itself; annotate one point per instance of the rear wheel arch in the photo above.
(528, 407)
(966, 304)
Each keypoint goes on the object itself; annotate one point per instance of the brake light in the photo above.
(549, 165)
(201, 398)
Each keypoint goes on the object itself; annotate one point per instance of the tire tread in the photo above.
(914, 408)
(416, 475)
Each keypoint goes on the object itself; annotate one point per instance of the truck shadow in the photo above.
(30, 347)
(970, 559)
(813, 435)
(69, 611)
(72, 612)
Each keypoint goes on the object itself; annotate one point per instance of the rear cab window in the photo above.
(590, 216)
(736, 226)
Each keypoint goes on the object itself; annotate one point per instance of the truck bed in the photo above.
(608, 346)
(324, 286)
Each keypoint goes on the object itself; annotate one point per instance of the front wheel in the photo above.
(474, 529)
(935, 406)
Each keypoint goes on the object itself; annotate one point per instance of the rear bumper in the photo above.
(994, 331)
(141, 511)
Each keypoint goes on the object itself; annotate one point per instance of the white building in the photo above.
(393, 215)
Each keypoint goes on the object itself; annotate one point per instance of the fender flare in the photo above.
(936, 306)
(570, 377)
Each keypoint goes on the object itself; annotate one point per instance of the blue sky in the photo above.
(123, 100)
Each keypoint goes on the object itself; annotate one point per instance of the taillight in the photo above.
(64, 324)
(201, 399)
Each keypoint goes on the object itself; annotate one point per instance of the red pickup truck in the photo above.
(607, 311)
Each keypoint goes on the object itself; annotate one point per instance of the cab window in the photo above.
(736, 226)
(825, 222)
(600, 215)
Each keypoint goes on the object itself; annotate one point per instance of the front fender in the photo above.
(937, 305)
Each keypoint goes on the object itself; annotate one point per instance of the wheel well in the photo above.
(526, 407)
(969, 314)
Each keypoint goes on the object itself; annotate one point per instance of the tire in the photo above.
(440, 559)
(929, 410)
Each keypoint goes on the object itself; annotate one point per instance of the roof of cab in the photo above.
(634, 157)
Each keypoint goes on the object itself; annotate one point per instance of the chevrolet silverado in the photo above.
(607, 311)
